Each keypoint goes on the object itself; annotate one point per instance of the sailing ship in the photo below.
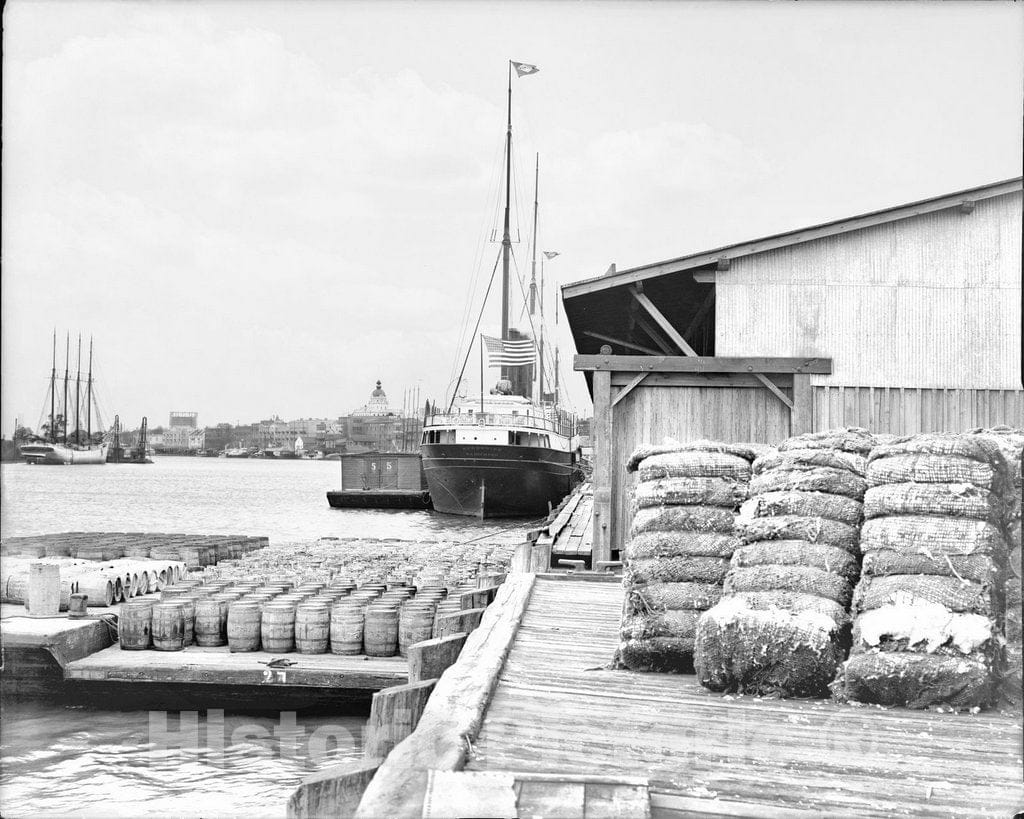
(512, 452)
(59, 446)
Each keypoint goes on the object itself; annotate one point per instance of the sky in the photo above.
(261, 208)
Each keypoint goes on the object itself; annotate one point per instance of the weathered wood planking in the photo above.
(218, 666)
(556, 709)
(575, 532)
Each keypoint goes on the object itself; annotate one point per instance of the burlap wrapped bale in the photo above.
(725, 492)
(975, 447)
(927, 468)
(657, 597)
(924, 627)
(851, 439)
(681, 624)
(960, 500)
(670, 544)
(766, 651)
(673, 655)
(798, 527)
(789, 578)
(795, 602)
(954, 594)
(682, 568)
(881, 562)
(1011, 687)
(809, 479)
(810, 458)
(805, 504)
(916, 680)
(682, 518)
(798, 553)
(694, 465)
(747, 452)
(931, 535)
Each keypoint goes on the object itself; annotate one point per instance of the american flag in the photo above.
(509, 352)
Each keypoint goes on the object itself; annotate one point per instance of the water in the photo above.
(65, 760)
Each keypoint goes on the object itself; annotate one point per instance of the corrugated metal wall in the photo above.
(650, 414)
(930, 302)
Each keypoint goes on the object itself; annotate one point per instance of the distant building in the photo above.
(184, 419)
(376, 425)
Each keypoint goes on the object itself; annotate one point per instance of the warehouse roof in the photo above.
(721, 256)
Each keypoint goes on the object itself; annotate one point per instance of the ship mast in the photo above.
(67, 361)
(78, 393)
(53, 392)
(506, 239)
(533, 283)
(88, 399)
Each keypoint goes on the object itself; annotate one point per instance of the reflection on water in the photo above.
(62, 761)
(57, 760)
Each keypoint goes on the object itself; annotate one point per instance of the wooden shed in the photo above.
(903, 320)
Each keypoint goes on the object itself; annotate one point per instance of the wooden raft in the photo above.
(555, 709)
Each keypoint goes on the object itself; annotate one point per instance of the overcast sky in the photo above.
(264, 207)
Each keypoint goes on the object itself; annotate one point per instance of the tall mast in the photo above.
(88, 400)
(506, 239)
(533, 261)
(67, 361)
(53, 391)
(78, 392)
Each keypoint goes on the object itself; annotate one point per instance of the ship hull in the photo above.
(60, 455)
(496, 481)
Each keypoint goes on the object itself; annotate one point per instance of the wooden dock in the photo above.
(214, 677)
(571, 530)
(562, 727)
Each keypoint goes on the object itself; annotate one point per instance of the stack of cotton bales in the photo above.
(927, 608)
(783, 624)
(680, 544)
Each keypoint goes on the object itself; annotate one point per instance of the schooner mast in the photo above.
(506, 238)
(53, 392)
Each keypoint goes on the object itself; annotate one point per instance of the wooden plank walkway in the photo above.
(555, 709)
(573, 530)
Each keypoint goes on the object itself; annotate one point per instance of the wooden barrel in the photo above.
(277, 630)
(380, 630)
(346, 629)
(312, 627)
(243, 626)
(415, 623)
(168, 626)
(98, 587)
(188, 610)
(210, 622)
(134, 626)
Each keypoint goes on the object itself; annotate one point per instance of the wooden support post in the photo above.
(541, 561)
(802, 413)
(460, 622)
(521, 558)
(661, 321)
(429, 659)
(773, 389)
(602, 477)
(394, 713)
(334, 791)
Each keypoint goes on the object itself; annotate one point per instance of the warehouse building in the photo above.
(903, 320)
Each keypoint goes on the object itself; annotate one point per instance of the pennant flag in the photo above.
(550, 254)
(523, 69)
(509, 352)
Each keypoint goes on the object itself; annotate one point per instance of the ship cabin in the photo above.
(497, 420)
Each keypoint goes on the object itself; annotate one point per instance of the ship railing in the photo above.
(562, 426)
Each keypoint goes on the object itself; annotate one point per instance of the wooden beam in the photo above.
(629, 388)
(334, 791)
(774, 390)
(795, 237)
(460, 622)
(661, 321)
(429, 659)
(655, 336)
(703, 311)
(394, 713)
(783, 380)
(602, 477)
(802, 416)
(621, 342)
(699, 364)
(454, 712)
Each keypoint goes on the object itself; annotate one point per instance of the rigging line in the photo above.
(469, 348)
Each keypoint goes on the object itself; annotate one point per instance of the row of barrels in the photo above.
(104, 585)
(311, 618)
(195, 550)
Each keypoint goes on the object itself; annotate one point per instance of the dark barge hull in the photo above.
(380, 499)
(496, 481)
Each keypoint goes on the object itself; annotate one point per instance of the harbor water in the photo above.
(58, 760)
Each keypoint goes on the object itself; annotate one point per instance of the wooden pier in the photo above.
(531, 709)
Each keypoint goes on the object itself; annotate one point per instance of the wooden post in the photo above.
(334, 791)
(541, 559)
(602, 478)
(802, 414)
(429, 659)
(461, 622)
(394, 713)
(521, 557)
